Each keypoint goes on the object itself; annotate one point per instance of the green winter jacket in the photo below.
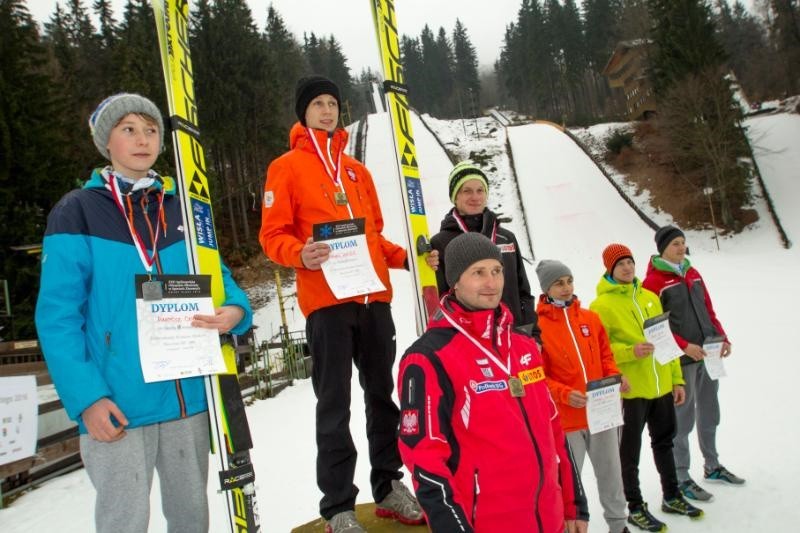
(623, 308)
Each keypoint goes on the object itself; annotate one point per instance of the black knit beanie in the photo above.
(309, 88)
(666, 235)
(463, 251)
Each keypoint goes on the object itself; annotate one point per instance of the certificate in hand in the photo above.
(713, 359)
(603, 404)
(169, 346)
(349, 270)
(658, 333)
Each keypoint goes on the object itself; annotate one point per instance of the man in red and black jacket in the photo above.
(479, 432)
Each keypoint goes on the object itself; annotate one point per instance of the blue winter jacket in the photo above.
(86, 310)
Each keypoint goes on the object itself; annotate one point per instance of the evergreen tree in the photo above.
(337, 70)
(785, 29)
(465, 72)
(288, 62)
(315, 54)
(444, 65)
(745, 42)
(600, 20)
(33, 169)
(696, 106)
(414, 72)
(108, 25)
(634, 20)
(238, 111)
(685, 39)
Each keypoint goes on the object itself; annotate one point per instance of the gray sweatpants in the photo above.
(702, 406)
(122, 473)
(603, 451)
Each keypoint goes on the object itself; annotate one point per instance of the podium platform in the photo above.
(365, 513)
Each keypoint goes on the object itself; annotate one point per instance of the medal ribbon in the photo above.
(138, 243)
(505, 368)
(334, 171)
(465, 229)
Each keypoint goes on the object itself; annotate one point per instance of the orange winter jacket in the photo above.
(299, 193)
(575, 348)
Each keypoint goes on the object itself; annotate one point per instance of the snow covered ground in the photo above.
(573, 213)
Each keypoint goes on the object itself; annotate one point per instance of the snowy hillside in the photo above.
(573, 212)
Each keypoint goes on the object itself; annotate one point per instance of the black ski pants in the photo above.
(659, 415)
(340, 336)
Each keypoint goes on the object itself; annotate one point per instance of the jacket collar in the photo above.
(485, 325)
(299, 138)
(96, 181)
(548, 309)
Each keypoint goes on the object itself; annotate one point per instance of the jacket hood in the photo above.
(96, 181)
(606, 285)
(658, 264)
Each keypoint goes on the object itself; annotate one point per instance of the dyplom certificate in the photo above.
(658, 333)
(603, 403)
(713, 359)
(169, 346)
(349, 270)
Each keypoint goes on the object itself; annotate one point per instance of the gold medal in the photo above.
(341, 198)
(516, 387)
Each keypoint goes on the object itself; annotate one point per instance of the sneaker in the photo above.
(401, 505)
(723, 475)
(693, 491)
(640, 517)
(679, 505)
(344, 522)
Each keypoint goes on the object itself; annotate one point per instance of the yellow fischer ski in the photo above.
(230, 435)
(424, 278)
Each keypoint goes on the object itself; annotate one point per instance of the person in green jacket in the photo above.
(623, 305)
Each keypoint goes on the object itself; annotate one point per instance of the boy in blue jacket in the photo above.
(126, 221)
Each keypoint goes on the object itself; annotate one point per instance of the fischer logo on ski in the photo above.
(230, 433)
(424, 278)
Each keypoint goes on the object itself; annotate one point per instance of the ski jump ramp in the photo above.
(572, 210)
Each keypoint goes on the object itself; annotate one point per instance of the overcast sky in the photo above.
(350, 21)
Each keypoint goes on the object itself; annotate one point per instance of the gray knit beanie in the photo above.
(549, 270)
(463, 251)
(112, 110)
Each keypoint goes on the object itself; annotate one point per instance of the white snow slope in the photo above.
(573, 213)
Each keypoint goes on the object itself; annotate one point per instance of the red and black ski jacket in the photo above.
(482, 459)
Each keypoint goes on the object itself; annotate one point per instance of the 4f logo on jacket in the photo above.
(525, 360)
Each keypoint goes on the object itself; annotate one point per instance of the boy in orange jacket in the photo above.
(576, 350)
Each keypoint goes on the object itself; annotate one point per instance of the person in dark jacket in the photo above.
(469, 190)
(693, 320)
(479, 431)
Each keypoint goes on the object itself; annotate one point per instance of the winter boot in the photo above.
(640, 517)
(401, 505)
